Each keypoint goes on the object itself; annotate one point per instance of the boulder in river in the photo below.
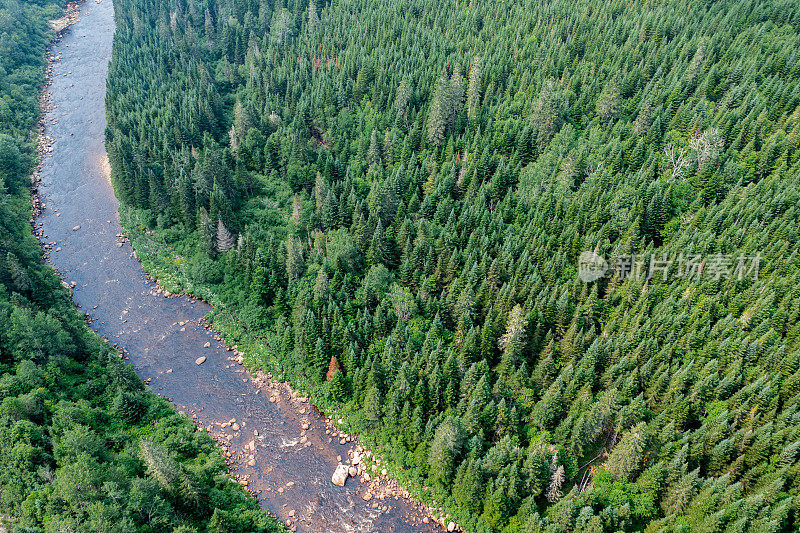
(340, 475)
(200, 360)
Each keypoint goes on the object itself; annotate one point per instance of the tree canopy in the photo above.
(410, 185)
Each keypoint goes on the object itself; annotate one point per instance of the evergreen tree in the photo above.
(439, 113)
(225, 239)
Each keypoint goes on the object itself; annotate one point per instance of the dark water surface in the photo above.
(124, 308)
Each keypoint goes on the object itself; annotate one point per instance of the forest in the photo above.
(83, 445)
(388, 203)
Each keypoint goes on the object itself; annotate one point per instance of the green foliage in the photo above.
(445, 450)
(431, 173)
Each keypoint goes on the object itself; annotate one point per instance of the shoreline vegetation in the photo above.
(383, 479)
(84, 446)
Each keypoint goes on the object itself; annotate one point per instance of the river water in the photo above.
(80, 220)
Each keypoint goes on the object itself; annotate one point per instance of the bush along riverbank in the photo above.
(385, 477)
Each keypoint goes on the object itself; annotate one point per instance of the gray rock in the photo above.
(340, 475)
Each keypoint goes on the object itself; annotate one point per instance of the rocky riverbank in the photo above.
(357, 465)
(47, 116)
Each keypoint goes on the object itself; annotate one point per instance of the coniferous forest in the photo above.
(389, 199)
(83, 446)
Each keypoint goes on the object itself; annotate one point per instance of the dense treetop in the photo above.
(394, 197)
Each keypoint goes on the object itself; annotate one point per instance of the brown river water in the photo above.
(80, 221)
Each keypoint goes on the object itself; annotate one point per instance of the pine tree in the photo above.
(455, 96)
(225, 239)
(159, 464)
(373, 405)
(320, 363)
(644, 119)
(313, 18)
(402, 97)
(378, 251)
(681, 493)
(627, 455)
(19, 276)
(556, 482)
(513, 340)
(609, 102)
(294, 258)
(496, 507)
(207, 234)
(468, 486)
(320, 194)
(374, 152)
(474, 89)
(338, 386)
(445, 450)
(438, 114)
(547, 114)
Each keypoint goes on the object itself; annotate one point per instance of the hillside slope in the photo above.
(395, 199)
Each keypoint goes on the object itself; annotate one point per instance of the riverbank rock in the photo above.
(340, 475)
(200, 360)
(451, 526)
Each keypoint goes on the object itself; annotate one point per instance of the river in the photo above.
(163, 336)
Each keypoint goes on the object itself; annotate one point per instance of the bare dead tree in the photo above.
(679, 159)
